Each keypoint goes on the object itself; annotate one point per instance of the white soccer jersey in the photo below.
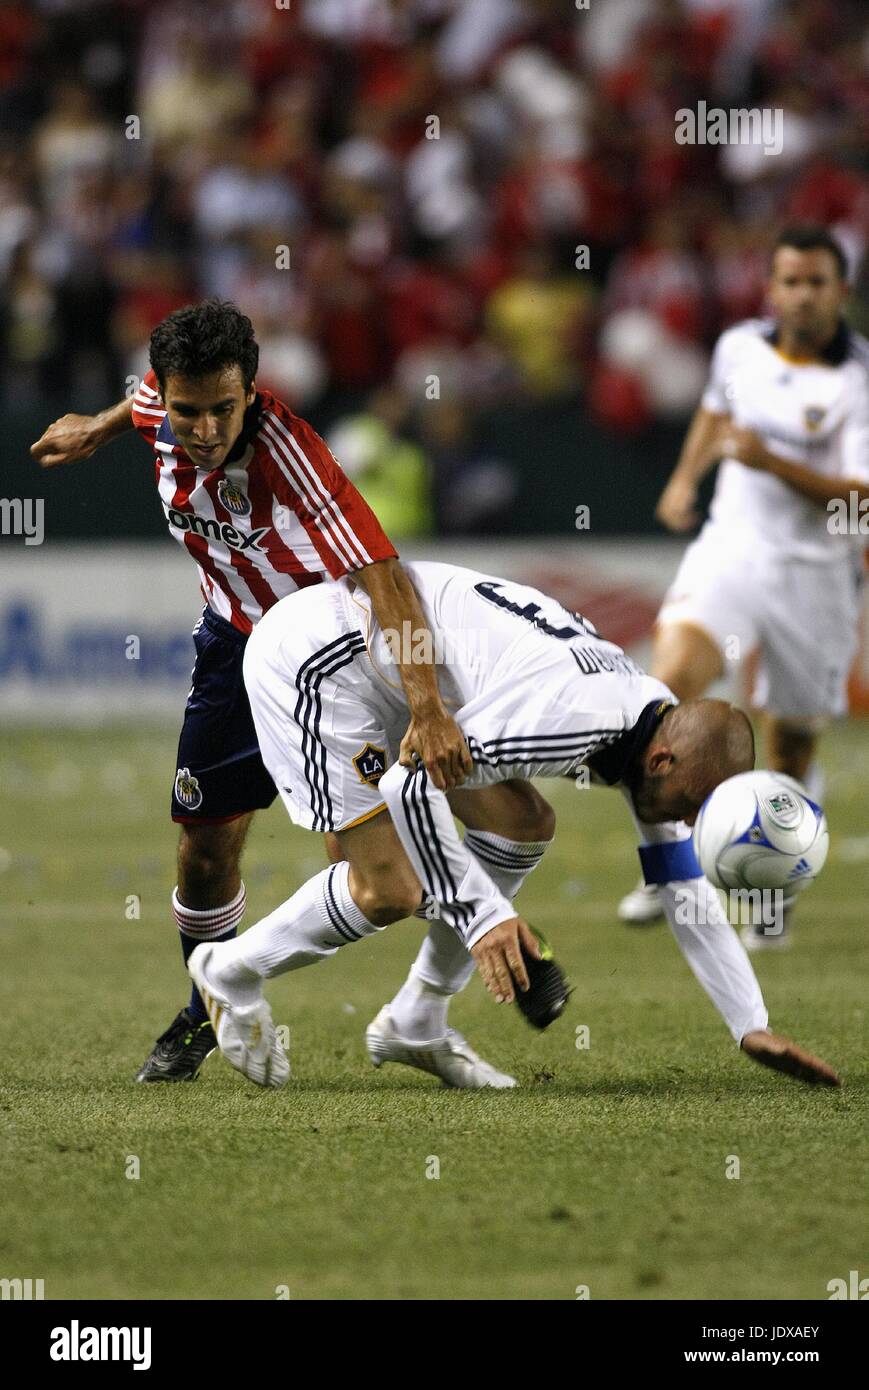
(538, 691)
(815, 414)
(535, 691)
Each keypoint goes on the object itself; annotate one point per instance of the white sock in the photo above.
(507, 862)
(443, 966)
(312, 924)
(205, 925)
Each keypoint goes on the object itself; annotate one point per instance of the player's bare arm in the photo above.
(677, 507)
(76, 437)
(747, 448)
(783, 1055)
(499, 958)
(433, 736)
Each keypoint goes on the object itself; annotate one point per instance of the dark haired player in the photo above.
(263, 509)
(786, 411)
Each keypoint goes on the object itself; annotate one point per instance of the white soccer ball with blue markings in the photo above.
(761, 830)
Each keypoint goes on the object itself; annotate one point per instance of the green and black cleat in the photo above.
(180, 1051)
(548, 991)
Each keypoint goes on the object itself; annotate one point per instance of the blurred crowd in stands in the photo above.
(427, 207)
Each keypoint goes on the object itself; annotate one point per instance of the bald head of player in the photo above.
(696, 745)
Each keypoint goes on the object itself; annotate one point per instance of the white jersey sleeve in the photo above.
(714, 396)
(855, 438)
(451, 877)
(719, 394)
(707, 941)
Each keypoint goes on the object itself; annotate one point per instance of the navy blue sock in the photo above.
(196, 1008)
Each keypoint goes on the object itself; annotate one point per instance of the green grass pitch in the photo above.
(607, 1169)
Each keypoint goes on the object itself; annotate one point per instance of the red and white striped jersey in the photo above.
(278, 516)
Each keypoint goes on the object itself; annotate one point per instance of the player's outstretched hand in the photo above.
(499, 958)
(677, 506)
(784, 1055)
(68, 440)
(439, 744)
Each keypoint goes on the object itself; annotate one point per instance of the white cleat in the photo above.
(451, 1057)
(245, 1032)
(757, 939)
(641, 906)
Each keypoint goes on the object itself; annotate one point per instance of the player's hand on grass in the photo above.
(677, 506)
(69, 439)
(437, 742)
(499, 958)
(783, 1055)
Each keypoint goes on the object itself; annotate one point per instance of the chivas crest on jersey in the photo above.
(232, 498)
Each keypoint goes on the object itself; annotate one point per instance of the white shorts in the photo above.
(330, 711)
(325, 744)
(801, 617)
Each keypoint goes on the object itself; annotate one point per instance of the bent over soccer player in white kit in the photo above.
(536, 692)
(786, 409)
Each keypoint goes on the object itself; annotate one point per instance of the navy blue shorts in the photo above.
(220, 772)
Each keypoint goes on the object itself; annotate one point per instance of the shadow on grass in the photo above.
(668, 1084)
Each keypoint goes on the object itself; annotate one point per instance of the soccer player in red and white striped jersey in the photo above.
(263, 508)
(272, 515)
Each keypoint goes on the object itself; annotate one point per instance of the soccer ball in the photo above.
(760, 830)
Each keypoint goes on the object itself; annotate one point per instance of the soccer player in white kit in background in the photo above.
(536, 692)
(786, 410)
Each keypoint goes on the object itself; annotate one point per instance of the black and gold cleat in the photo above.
(180, 1051)
(548, 991)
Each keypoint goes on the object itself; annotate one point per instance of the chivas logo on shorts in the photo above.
(187, 789)
(370, 764)
(813, 415)
(232, 497)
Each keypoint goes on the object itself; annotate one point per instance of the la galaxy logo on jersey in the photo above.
(813, 415)
(232, 498)
(187, 789)
(370, 764)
